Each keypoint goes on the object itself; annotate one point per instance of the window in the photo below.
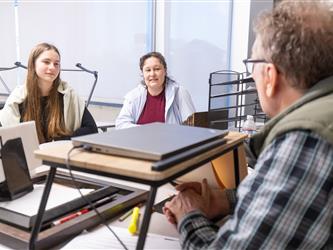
(197, 42)
(106, 36)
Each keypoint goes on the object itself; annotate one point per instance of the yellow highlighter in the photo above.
(133, 226)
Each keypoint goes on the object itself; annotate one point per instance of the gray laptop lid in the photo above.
(155, 141)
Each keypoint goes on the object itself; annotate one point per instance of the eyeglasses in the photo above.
(249, 64)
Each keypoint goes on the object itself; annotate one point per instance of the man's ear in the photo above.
(271, 79)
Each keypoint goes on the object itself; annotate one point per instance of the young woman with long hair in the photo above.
(54, 106)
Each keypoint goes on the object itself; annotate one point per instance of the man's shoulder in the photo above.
(304, 140)
(314, 116)
(298, 134)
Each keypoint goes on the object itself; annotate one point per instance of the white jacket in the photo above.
(73, 107)
(178, 106)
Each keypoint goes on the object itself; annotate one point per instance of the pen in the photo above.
(103, 201)
(70, 216)
(132, 228)
(125, 215)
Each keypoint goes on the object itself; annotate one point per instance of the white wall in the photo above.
(196, 43)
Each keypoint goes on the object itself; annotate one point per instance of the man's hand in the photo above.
(195, 196)
(187, 200)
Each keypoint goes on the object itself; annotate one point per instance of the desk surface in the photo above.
(158, 225)
(57, 152)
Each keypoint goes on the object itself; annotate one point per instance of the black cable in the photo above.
(101, 217)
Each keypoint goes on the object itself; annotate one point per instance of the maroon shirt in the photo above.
(154, 109)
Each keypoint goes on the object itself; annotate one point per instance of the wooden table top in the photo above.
(57, 152)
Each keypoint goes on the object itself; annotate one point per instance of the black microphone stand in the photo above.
(17, 65)
(95, 73)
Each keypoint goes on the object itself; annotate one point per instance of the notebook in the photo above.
(27, 132)
(154, 141)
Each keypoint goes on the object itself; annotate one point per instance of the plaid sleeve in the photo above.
(196, 231)
(286, 203)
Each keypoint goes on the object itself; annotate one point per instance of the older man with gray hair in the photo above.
(287, 203)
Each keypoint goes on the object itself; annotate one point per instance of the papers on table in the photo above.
(29, 203)
(102, 238)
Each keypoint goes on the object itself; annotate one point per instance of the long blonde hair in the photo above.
(32, 103)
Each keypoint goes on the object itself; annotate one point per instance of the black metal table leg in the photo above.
(41, 209)
(146, 218)
(236, 166)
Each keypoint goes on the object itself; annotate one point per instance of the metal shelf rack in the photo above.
(231, 97)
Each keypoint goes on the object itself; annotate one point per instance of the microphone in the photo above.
(79, 65)
(19, 64)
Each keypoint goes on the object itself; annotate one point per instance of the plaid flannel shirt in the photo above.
(287, 203)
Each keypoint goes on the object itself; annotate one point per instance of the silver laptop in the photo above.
(27, 132)
(155, 141)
